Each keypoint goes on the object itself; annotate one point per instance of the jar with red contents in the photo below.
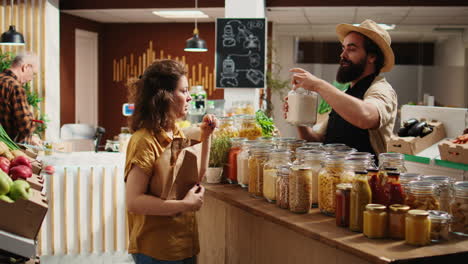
(375, 185)
(393, 192)
(343, 198)
(231, 170)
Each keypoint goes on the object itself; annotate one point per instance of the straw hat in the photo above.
(377, 34)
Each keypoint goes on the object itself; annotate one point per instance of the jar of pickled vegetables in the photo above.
(314, 159)
(417, 228)
(440, 222)
(343, 198)
(396, 226)
(226, 128)
(392, 160)
(392, 191)
(300, 189)
(282, 187)
(444, 186)
(231, 168)
(375, 221)
(375, 185)
(243, 163)
(276, 158)
(258, 158)
(361, 196)
(329, 176)
(459, 209)
(422, 195)
(249, 128)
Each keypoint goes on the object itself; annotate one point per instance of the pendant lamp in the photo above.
(12, 37)
(195, 43)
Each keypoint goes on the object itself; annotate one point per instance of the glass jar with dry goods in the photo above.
(345, 151)
(282, 142)
(231, 168)
(276, 159)
(300, 189)
(396, 225)
(352, 165)
(392, 160)
(375, 221)
(459, 209)
(343, 198)
(445, 189)
(226, 128)
(300, 154)
(361, 196)
(440, 221)
(333, 146)
(293, 145)
(406, 178)
(313, 159)
(329, 176)
(282, 187)
(417, 228)
(422, 195)
(302, 107)
(258, 157)
(249, 128)
(243, 163)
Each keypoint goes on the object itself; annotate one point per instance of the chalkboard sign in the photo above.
(240, 52)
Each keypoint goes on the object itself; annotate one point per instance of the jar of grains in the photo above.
(243, 163)
(276, 158)
(300, 189)
(257, 159)
(282, 187)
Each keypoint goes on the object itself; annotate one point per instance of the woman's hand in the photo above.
(306, 80)
(208, 125)
(194, 197)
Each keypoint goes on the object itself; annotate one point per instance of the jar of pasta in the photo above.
(282, 187)
(314, 159)
(396, 226)
(459, 209)
(249, 128)
(231, 167)
(300, 189)
(422, 195)
(440, 222)
(406, 178)
(375, 221)
(257, 159)
(276, 158)
(417, 228)
(243, 163)
(444, 186)
(329, 176)
(226, 128)
(361, 196)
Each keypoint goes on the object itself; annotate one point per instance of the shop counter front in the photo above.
(237, 228)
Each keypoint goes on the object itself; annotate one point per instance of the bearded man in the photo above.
(363, 117)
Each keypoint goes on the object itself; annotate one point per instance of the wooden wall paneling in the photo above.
(212, 231)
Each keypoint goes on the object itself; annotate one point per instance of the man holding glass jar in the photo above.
(363, 117)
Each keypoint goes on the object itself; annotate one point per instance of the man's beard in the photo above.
(351, 72)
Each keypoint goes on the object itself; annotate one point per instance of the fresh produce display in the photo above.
(20, 160)
(463, 139)
(5, 183)
(219, 151)
(20, 171)
(413, 128)
(11, 191)
(4, 164)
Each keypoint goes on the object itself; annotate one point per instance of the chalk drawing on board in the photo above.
(228, 36)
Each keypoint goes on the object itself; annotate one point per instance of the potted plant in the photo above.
(220, 146)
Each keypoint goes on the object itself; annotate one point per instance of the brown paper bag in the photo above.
(190, 168)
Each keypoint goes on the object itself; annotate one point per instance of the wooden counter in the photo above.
(236, 228)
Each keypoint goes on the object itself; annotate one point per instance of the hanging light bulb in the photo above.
(12, 37)
(195, 43)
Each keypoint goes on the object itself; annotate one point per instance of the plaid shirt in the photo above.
(15, 113)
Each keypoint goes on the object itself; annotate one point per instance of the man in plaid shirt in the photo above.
(15, 113)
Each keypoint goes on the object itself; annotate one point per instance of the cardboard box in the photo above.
(453, 152)
(414, 145)
(36, 182)
(24, 217)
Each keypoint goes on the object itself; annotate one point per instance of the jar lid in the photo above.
(280, 152)
(344, 186)
(313, 144)
(461, 186)
(418, 213)
(390, 169)
(283, 170)
(439, 216)
(409, 176)
(224, 118)
(360, 172)
(282, 139)
(375, 207)
(399, 208)
(391, 156)
(372, 170)
(436, 179)
(365, 154)
(393, 174)
(301, 167)
(238, 140)
(421, 185)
